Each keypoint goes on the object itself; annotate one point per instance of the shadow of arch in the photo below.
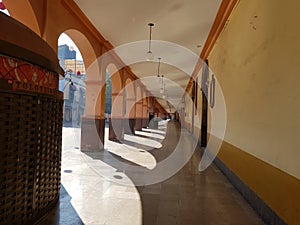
(23, 11)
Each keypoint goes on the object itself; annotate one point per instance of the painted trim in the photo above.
(261, 208)
(222, 16)
(272, 193)
(278, 189)
(268, 215)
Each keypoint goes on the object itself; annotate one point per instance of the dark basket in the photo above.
(30, 154)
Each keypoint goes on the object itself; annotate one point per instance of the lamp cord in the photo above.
(158, 67)
(150, 36)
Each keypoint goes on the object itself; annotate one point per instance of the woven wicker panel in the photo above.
(30, 154)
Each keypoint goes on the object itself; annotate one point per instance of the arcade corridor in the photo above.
(224, 73)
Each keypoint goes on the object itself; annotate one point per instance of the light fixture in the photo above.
(149, 53)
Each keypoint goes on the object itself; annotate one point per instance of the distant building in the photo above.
(76, 66)
(65, 52)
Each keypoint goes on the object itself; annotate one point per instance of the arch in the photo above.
(74, 106)
(85, 47)
(23, 11)
(92, 122)
(92, 71)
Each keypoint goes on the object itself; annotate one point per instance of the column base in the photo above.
(145, 122)
(138, 124)
(116, 129)
(92, 134)
(129, 124)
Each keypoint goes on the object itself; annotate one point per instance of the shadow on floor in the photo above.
(168, 146)
(193, 198)
(63, 213)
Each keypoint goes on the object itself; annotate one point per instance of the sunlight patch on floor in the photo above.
(135, 155)
(147, 142)
(150, 135)
(94, 196)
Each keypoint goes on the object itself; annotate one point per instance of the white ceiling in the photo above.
(185, 24)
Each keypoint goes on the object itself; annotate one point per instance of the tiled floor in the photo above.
(98, 188)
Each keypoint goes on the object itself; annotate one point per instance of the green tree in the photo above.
(108, 94)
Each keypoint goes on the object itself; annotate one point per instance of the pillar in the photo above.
(129, 120)
(116, 121)
(139, 113)
(93, 122)
(145, 112)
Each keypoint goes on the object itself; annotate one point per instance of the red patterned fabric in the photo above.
(25, 73)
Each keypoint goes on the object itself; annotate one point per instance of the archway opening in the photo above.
(73, 85)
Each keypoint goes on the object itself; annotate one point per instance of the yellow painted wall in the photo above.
(256, 61)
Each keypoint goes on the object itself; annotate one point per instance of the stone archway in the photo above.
(92, 122)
